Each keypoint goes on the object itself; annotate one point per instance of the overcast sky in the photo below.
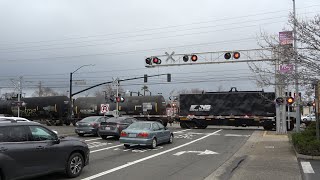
(44, 40)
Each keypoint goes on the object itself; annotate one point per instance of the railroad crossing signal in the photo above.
(228, 55)
(280, 100)
(290, 100)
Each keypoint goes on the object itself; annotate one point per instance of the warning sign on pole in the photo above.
(104, 108)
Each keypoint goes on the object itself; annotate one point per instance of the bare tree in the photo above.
(308, 54)
(45, 91)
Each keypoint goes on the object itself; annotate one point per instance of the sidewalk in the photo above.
(264, 156)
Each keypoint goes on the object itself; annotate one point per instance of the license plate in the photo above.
(132, 135)
(81, 131)
(107, 128)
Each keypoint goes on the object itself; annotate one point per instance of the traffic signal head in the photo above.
(194, 58)
(185, 58)
(120, 99)
(236, 55)
(280, 100)
(148, 61)
(156, 60)
(227, 55)
(145, 78)
(290, 100)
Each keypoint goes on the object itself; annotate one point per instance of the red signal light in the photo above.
(290, 100)
(185, 58)
(148, 61)
(236, 55)
(194, 58)
(227, 56)
(156, 60)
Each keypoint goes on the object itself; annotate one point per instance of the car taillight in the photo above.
(123, 134)
(143, 135)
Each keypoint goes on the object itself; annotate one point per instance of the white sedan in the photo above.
(309, 117)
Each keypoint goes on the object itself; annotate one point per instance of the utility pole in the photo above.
(40, 89)
(19, 94)
(316, 85)
(297, 98)
(117, 103)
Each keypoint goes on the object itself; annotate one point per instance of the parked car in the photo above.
(30, 149)
(113, 126)
(89, 125)
(146, 133)
(308, 118)
(15, 119)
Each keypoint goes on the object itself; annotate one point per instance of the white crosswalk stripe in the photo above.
(307, 168)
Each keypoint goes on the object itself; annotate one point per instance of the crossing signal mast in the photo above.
(252, 55)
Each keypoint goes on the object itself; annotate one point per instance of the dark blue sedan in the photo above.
(146, 133)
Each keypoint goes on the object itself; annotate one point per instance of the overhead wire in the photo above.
(160, 28)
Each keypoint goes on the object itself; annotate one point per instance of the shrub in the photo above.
(305, 142)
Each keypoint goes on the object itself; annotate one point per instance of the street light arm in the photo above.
(82, 67)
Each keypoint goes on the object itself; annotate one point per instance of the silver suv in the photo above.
(29, 149)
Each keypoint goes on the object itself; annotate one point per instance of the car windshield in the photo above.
(89, 119)
(140, 126)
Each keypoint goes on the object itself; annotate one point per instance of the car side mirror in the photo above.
(165, 128)
(56, 141)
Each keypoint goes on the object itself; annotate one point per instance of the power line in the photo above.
(159, 28)
(140, 35)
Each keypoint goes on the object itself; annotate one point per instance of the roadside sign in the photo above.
(104, 108)
(286, 68)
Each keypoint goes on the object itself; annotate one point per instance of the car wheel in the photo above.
(74, 165)
(104, 137)
(170, 139)
(81, 134)
(126, 145)
(154, 143)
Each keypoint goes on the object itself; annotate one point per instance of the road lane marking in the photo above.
(200, 153)
(146, 158)
(106, 148)
(237, 135)
(92, 139)
(307, 168)
(182, 131)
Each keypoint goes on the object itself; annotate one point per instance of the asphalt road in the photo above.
(310, 169)
(194, 154)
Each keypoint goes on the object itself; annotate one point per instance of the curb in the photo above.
(302, 156)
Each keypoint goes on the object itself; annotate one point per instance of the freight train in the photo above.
(55, 109)
(233, 108)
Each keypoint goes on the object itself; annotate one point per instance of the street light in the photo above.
(70, 91)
